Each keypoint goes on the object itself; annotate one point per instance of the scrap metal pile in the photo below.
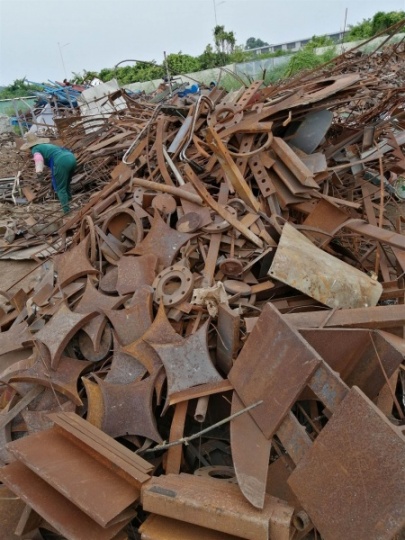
(216, 351)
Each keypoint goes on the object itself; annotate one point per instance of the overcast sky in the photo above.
(49, 39)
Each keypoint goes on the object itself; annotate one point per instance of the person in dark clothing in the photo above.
(61, 162)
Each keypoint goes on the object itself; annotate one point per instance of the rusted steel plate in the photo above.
(189, 207)
(100, 494)
(133, 272)
(125, 368)
(278, 473)
(161, 331)
(57, 510)
(299, 263)
(175, 453)
(128, 409)
(57, 332)
(293, 162)
(11, 508)
(196, 499)
(161, 241)
(231, 170)
(95, 403)
(108, 282)
(123, 462)
(219, 209)
(357, 355)
(94, 300)
(15, 338)
(64, 379)
(351, 482)
(375, 317)
(39, 420)
(310, 131)
(328, 386)
(74, 263)
(250, 454)
(294, 437)
(274, 353)
(117, 222)
(132, 322)
(163, 528)
(104, 342)
(228, 341)
(187, 363)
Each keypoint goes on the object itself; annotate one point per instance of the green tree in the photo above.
(209, 58)
(224, 41)
(360, 31)
(381, 20)
(182, 63)
(320, 41)
(19, 88)
(253, 43)
(370, 27)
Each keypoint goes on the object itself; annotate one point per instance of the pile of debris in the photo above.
(215, 349)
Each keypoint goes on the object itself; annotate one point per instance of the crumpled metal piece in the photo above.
(210, 297)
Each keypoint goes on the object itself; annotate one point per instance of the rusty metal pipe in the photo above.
(201, 409)
(177, 192)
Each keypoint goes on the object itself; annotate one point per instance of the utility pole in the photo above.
(61, 57)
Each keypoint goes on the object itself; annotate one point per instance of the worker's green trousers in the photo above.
(63, 171)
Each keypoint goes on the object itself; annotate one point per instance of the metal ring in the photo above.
(217, 123)
(117, 232)
(219, 472)
(266, 145)
(174, 273)
(219, 224)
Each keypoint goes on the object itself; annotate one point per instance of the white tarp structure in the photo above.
(95, 102)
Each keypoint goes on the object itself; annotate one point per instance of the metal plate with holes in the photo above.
(173, 286)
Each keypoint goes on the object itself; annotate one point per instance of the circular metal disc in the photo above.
(234, 286)
(189, 223)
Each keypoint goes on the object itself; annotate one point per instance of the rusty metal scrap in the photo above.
(216, 333)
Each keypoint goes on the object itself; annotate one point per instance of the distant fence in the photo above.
(7, 106)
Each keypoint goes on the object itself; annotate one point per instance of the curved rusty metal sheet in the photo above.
(299, 263)
(57, 332)
(74, 263)
(132, 322)
(250, 454)
(160, 331)
(94, 300)
(95, 403)
(273, 354)
(351, 481)
(40, 421)
(128, 409)
(133, 272)
(125, 368)
(161, 241)
(87, 348)
(108, 282)
(14, 339)
(187, 363)
(64, 379)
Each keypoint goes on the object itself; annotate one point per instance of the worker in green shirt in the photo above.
(61, 162)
